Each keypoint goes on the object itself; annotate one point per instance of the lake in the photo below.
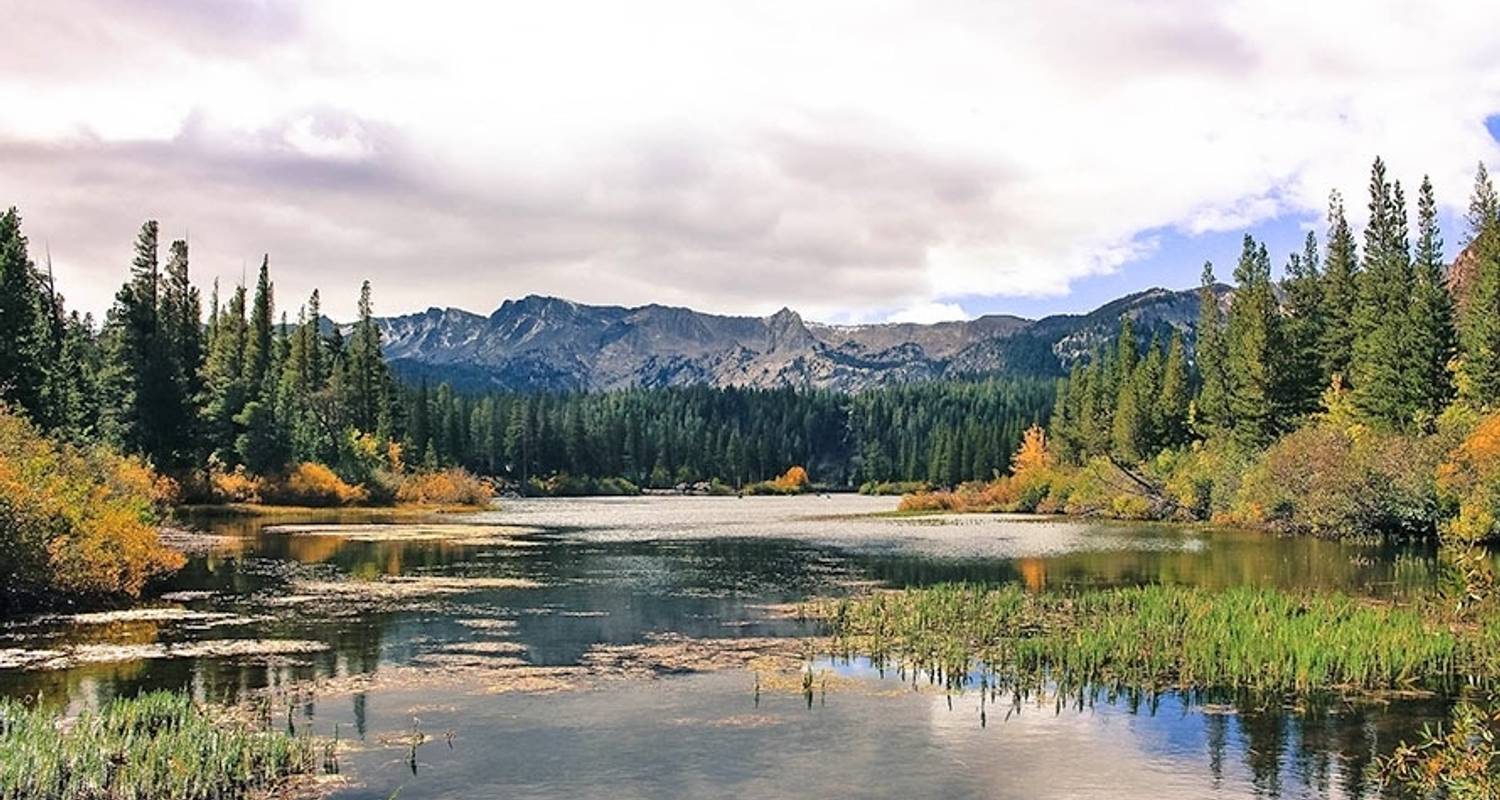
(650, 647)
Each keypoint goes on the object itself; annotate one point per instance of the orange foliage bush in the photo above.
(312, 484)
(443, 488)
(234, 487)
(1027, 488)
(1470, 479)
(74, 522)
(793, 480)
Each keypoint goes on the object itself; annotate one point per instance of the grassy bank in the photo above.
(157, 745)
(1162, 637)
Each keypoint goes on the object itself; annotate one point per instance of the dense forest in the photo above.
(251, 392)
(943, 432)
(1357, 394)
(243, 390)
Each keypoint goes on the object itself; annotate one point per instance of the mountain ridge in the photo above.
(544, 343)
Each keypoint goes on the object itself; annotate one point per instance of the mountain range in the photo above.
(541, 343)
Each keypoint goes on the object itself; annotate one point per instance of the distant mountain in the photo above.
(545, 343)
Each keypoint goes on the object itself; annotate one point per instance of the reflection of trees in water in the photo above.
(1225, 559)
(1313, 744)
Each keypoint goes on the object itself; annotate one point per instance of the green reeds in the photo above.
(153, 746)
(1163, 637)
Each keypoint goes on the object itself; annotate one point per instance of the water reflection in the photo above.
(657, 567)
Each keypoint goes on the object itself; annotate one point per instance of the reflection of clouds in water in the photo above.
(1103, 752)
(843, 520)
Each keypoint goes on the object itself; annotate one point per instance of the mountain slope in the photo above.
(545, 343)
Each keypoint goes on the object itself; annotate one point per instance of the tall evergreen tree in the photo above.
(1175, 400)
(1379, 374)
(23, 328)
(141, 411)
(365, 368)
(1253, 341)
(1303, 329)
(1479, 324)
(1431, 338)
(1128, 423)
(258, 343)
(1212, 413)
(225, 389)
(1340, 293)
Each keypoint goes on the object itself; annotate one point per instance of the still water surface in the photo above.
(554, 583)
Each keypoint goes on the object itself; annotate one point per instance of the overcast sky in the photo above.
(858, 160)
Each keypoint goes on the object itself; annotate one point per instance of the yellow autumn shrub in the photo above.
(312, 484)
(446, 487)
(75, 523)
(1469, 478)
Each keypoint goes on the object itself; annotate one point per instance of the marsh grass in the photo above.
(1163, 637)
(158, 745)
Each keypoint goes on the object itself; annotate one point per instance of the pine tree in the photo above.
(23, 375)
(367, 374)
(1479, 324)
(76, 380)
(225, 390)
(258, 342)
(1340, 293)
(180, 351)
(140, 410)
(1379, 374)
(1303, 330)
(1128, 422)
(1431, 339)
(1212, 413)
(1253, 341)
(1175, 400)
(1484, 205)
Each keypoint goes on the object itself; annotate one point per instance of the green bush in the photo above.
(1332, 481)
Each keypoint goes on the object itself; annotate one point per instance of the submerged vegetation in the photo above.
(1165, 637)
(156, 745)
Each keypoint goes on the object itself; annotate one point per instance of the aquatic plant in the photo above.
(1162, 637)
(157, 745)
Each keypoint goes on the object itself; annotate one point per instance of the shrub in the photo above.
(794, 481)
(311, 484)
(892, 487)
(75, 523)
(1334, 481)
(447, 487)
(234, 487)
(1468, 480)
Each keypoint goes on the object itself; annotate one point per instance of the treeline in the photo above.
(244, 391)
(1381, 326)
(1360, 393)
(944, 432)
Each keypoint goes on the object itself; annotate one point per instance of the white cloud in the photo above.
(838, 157)
(929, 312)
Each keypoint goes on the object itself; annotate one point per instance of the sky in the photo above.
(856, 161)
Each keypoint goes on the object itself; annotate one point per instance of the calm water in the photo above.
(542, 588)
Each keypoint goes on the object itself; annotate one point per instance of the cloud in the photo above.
(841, 158)
(929, 312)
